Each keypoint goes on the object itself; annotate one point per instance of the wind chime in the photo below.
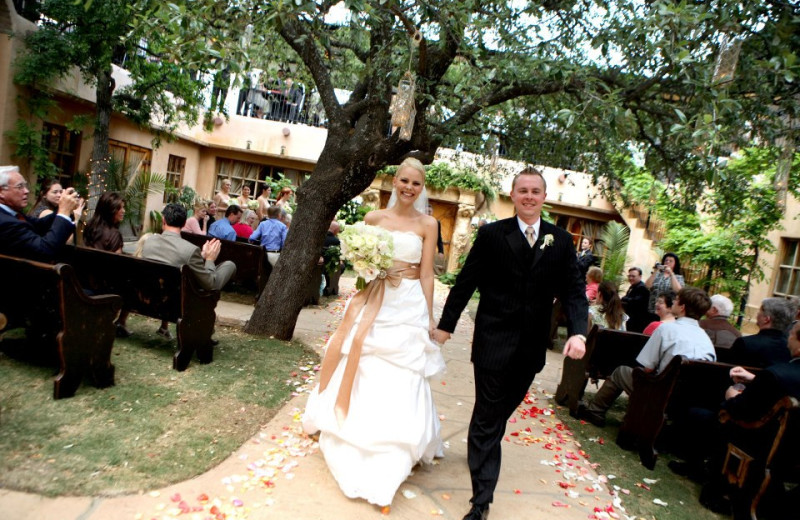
(403, 107)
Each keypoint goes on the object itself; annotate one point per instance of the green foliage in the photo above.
(156, 222)
(332, 256)
(615, 238)
(26, 138)
(134, 186)
(352, 212)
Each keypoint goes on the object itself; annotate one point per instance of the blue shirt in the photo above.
(222, 228)
(272, 233)
(682, 337)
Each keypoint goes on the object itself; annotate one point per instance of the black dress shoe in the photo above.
(478, 512)
(584, 414)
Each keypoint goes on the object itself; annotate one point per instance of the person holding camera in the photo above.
(666, 276)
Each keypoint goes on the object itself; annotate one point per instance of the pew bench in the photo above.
(685, 383)
(606, 349)
(63, 324)
(153, 289)
(252, 267)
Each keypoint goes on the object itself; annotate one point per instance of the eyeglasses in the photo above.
(22, 186)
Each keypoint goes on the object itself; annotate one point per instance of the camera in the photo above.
(660, 267)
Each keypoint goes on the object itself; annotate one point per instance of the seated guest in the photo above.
(34, 238)
(197, 222)
(212, 216)
(47, 201)
(607, 310)
(751, 397)
(663, 311)
(244, 228)
(636, 300)
(170, 248)
(271, 234)
(593, 278)
(102, 231)
(223, 228)
(717, 326)
(682, 337)
(768, 346)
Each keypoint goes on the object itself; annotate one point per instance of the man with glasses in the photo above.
(34, 238)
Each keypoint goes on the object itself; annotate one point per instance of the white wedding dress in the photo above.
(392, 422)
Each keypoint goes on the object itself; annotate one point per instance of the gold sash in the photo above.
(370, 299)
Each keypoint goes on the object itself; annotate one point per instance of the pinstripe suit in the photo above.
(517, 284)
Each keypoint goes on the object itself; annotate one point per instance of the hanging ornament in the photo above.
(403, 108)
(727, 59)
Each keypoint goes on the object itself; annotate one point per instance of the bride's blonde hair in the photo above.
(421, 204)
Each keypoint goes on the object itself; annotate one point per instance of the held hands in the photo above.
(211, 249)
(574, 348)
(439, 336)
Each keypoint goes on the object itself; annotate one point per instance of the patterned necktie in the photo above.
(529, 234)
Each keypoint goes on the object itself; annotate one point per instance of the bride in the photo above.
(391, 423)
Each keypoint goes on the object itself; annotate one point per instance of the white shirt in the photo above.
(682, 337)
(523, 226)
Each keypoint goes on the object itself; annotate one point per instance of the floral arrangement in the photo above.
(369, 249)
(548, 241)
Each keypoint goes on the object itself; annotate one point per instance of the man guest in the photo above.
(170, 248)
(636, 300)
(223, 228)
(34, 238)
(271, 234)
(768, 347)
(717, 326)
(519, 265)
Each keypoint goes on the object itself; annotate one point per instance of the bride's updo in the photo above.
(421, 204)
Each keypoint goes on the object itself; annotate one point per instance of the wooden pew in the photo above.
(764, 453)
(156, 290)
(63, 323)
(683, 384)
(606, 349)
(252, 267)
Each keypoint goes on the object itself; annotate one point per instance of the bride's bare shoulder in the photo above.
(374, 217)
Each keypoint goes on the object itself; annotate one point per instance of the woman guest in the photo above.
(223, 198)
(244, 228)
(102, 231)
(197, 222)
(263, 202)
(47, 202)
(666, 276)
(607, 311)
(585, 257)
(372, 434)
(593, 278)
(212, 216)
(664, 303)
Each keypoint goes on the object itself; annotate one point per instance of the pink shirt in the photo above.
(192, 226)
(591, 291)
(648, 331)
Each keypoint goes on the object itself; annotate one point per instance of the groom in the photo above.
(519, 265)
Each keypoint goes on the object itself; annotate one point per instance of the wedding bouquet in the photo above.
(369, 249)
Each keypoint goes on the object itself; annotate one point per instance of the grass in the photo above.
(155, 427)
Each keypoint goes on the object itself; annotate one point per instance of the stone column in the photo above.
(461, 235)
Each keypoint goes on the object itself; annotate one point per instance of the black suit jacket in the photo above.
(517, 285)
(635, 303)
(34, 238)
(762, 350)
(764, 391)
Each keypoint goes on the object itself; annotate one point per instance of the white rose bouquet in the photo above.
(369, 249)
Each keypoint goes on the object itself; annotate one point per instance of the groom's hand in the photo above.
(439, 336)
(575, 347)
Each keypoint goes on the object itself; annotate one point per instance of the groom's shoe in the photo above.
(478, 512)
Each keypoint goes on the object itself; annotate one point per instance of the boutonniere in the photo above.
(547, 241)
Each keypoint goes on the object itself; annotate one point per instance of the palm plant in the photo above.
(134, 185)
(615, 238)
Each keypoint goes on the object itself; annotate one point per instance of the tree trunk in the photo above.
(100, 155)
(318, 199)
